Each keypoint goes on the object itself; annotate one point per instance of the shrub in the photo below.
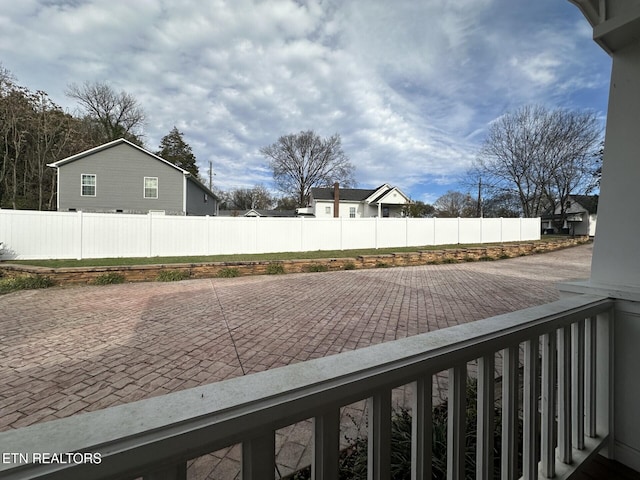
(172, 275)
(349, 266)
(275, 269)
(486, 258)
(449, 260)
(353, 460)
(109, 278)
(381, 265)
(229, 272)
(318, 267)
(24, 282)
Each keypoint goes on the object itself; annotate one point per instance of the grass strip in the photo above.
(109, 262)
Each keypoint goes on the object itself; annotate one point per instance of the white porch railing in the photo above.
(566, 346)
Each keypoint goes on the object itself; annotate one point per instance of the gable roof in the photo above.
(588, 202)
(106, 146)
(123, 141)
(383, 193)
(346, 194)
(357, 194)
(257, 213)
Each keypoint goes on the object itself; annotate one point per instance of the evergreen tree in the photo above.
(174, 149)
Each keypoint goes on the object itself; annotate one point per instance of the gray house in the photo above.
(120, 177)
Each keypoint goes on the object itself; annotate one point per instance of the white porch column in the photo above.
(615, 268)
(616, 256)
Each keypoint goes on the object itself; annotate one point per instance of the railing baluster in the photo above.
(379, 439)
(577, 380)
(564, 394)
(604, 375)
(530, 410)
(422, 429)
(177, 472)
(326, 445)
(547, 433)
(510, 412)
(259, 458)
(486, 417)
(590, 378)
(456, 421)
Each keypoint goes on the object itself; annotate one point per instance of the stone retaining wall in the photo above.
(145, 273)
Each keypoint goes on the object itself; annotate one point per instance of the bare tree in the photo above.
(257, 197)
(16, 115)
(454, 204)
(542, 156)
(52, 135)
(304, 160)
(116, 115)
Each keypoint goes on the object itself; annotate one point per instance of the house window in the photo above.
(385, 211)
(352, 212)
(150, 187)
(88, 185)
(327, 210)
(206, 198)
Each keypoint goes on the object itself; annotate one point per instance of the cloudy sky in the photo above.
(410, 86)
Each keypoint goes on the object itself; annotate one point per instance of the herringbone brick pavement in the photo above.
(78, 349)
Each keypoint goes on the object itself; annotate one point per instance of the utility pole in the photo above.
(210, 174)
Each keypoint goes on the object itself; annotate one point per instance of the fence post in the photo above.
(255, 234)
(434, 231)
(206, 225)
(150, 234)
(520, 229)
(406, 231)
(81, 233)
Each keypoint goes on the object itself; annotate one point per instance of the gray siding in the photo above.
(195, 200)
(120, 172)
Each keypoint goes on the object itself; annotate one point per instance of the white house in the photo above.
(384, 201)
(581, 216)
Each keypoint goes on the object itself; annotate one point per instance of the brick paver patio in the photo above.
(70, 350)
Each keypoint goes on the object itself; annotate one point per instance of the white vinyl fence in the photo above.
(45, 235)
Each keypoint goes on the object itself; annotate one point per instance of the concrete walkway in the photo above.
(70, 350)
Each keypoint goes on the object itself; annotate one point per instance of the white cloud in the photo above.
(410, 87)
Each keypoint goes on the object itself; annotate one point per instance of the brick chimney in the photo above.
(336, 200)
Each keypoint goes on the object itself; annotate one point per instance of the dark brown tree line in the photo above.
(34, 131)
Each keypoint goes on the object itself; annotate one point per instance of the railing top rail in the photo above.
(165, 430)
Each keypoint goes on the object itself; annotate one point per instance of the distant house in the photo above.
(120, 177)
(257, 213)
(581, 216)
(384, 201)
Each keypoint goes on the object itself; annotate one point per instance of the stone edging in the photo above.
(146, 273)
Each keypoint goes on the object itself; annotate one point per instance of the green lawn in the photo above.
(106, 262)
